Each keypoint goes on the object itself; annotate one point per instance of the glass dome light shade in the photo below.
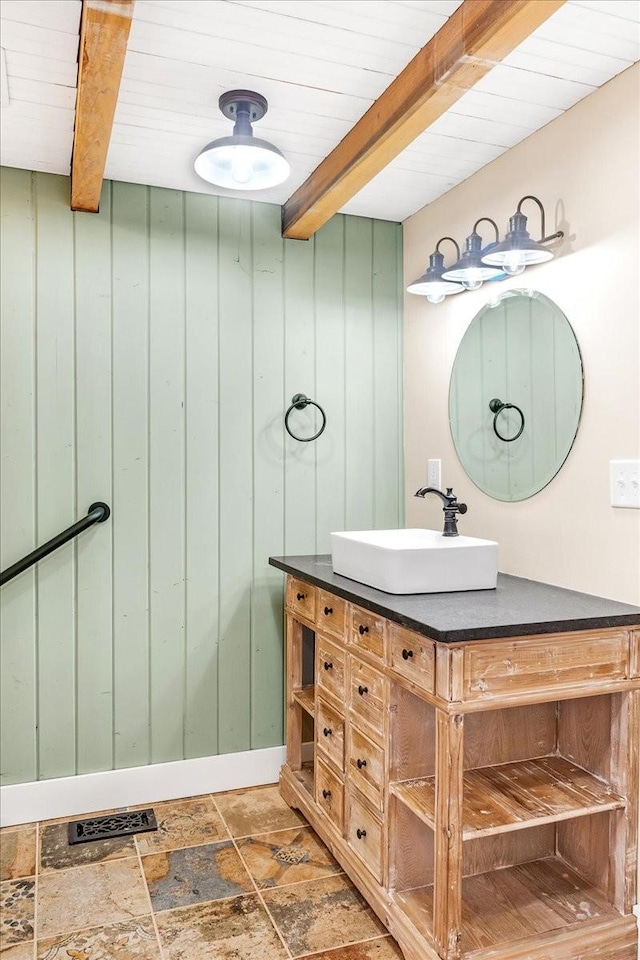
(470, 268)
(517, 246)
(472, 283)
(242, 162)
(514, 263)
(431, 283)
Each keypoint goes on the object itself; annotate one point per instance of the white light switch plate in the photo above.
(625, 483)
(434, 471)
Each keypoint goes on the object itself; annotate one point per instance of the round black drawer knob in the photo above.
(362, 629)
(328, 665)
(361, 834)
(363, 690)
(406, 654)
(326, 794)
(327, 731)
(361, 764)
(300, 596)
(328, 611)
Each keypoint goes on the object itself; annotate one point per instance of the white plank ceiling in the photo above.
(320, 63)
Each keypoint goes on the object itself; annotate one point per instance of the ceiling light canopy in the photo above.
(431, 284)
(518, 250)
(242, 161)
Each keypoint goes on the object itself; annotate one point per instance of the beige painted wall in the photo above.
(584, 167)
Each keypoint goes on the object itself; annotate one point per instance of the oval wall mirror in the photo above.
(515, 395)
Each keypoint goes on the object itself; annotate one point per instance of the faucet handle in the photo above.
(453, 501)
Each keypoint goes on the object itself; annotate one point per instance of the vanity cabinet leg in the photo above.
(448, 834)
(294, 682)
(625, 763)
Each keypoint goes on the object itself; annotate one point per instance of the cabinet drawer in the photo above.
(301, 598)
(364, 835)
(413, 657)
(367, 631)
(330, 795)
(330, 668)
(331, 613)
(367, 698)
(542, 664)
(330, 733)
(365, 766)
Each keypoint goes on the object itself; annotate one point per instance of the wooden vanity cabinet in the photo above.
(483, 796)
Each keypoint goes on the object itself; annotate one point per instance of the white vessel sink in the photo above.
(415, 561)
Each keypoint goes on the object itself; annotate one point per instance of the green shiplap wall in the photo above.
(148, 355)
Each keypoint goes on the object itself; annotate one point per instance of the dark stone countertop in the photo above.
(517, 607)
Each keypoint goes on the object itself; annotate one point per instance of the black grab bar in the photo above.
(98, 513)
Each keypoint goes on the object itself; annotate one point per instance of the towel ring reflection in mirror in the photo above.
(497, 406)
(298, 402)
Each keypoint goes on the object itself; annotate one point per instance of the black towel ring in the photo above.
(497, 406)
(299, 402)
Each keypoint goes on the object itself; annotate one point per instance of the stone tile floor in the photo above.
(234, 876)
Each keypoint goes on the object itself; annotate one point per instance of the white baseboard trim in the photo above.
(89, 792)
(636, 910)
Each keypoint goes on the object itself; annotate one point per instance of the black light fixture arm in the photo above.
(97, 513)
(451, 240)
(487, 220)
(544, 238)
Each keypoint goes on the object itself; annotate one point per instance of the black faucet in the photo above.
(451, 508)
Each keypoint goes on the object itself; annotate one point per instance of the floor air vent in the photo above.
(112, 825)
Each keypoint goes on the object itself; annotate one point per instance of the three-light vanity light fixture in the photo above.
(478, 263)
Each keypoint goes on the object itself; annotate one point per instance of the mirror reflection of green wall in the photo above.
(519, 349)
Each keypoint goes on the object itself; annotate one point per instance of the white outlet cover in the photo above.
(434, 473)
(624, 478)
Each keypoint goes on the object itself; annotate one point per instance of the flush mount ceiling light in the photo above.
(518, 250)
(242, 161)
(431, 284)
(469, 270)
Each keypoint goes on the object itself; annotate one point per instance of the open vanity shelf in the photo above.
(481, 794)
(537, 807)
(542, 897)
(514, 796)
(306, 698)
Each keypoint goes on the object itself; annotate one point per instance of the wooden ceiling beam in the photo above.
(479, 34)
(104, 32)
